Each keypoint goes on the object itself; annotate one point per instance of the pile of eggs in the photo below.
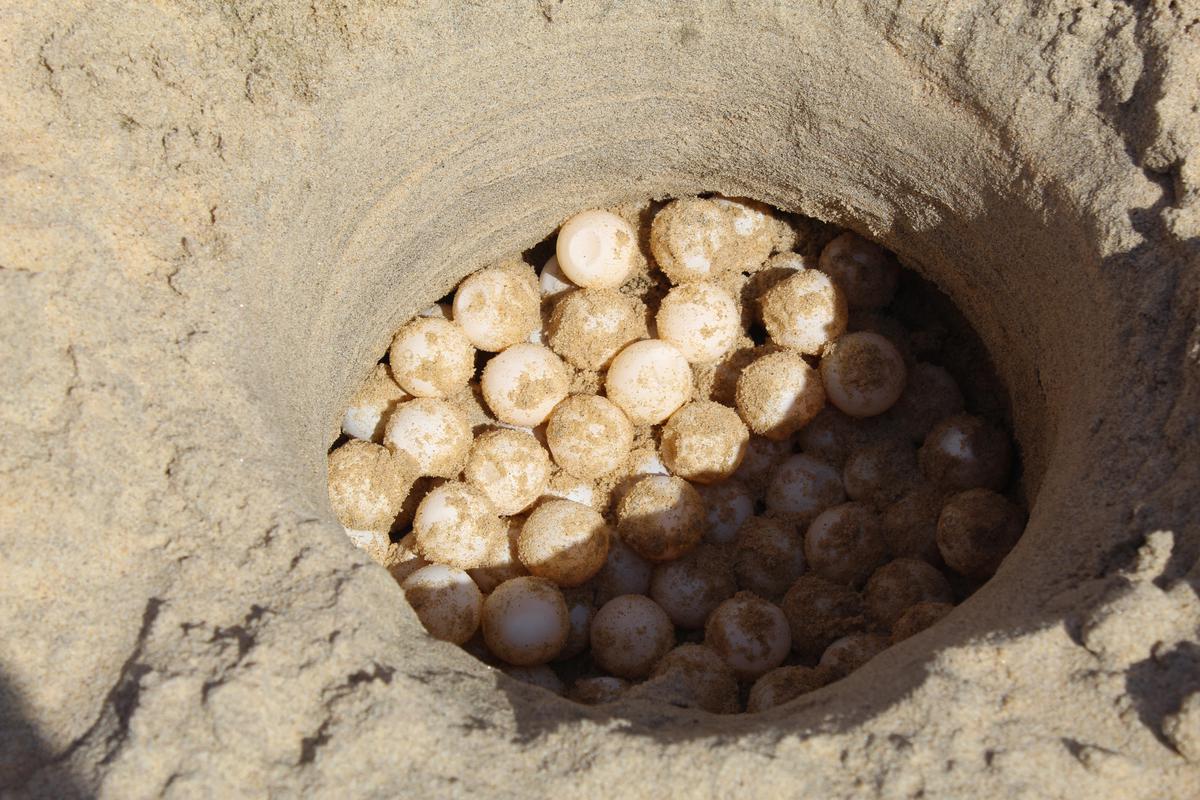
(694, 461)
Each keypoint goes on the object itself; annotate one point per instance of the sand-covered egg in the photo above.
(368, 412)
(661, 517)
(845, 544)
(649, 380)
(778, 394)
(701, 319)
(435, 434)
(431, 357)
(863, 373)
(704, 442)
(368, 484)
(976, 530)
(457, 525)
(525, 621)
(691, 586)
(589, 435)
(596, 249)
(564, 541)
(630, 634)
(804, 311)
(866, 272)
(524, 383)
(498, 306)
(588, 327)
(750, 634)
(446, 600)
(511, 468)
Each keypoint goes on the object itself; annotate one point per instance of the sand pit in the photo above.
(214, 217)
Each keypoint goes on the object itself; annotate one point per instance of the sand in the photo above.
(215, 216)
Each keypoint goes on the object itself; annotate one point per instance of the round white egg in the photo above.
(596, 249)
(457, 525)
(525, 621)
(498, 306)
(446, 600)
(510, 467)
(649, 380)
(431, 357)
(629, 635)
(802, 487)
(863, 373)
(701, 319)
(523, 384)
(750, 634)
(434, 433)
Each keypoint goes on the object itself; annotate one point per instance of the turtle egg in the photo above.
(917, 618)
(819, 612)
(692, 676)
(851, 652)
(704, 442)
(844, 544)
(866, 272)
(964, 452)
(524, 383)
(784, 684)
(598, 690)
(538, 675)
(879, 473)
(590, 326)
(510, 467)
(804, 311)
(661, 517)
(581, 608)
(564, 541)
(368, 485)
(498, 306)
(930, 395)
(750, 634)
(551, 280)
(768, 556)
(802, 487)
(588, 435)
(690, 587)
(692, 239)
(864, 374)
(762, 457)
(596, 249)
(525, 621)
(434, 433)
(371, 405)
(701, 319)
(778, 393)
(898, 585)
(729, 504)
(457, 525)
(910, 523)
(431, 357)
(630, 634)
(649, 380)
(976, 530)
(624, 572)
(446, 600)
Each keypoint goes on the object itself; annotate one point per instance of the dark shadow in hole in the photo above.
(25, 756)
